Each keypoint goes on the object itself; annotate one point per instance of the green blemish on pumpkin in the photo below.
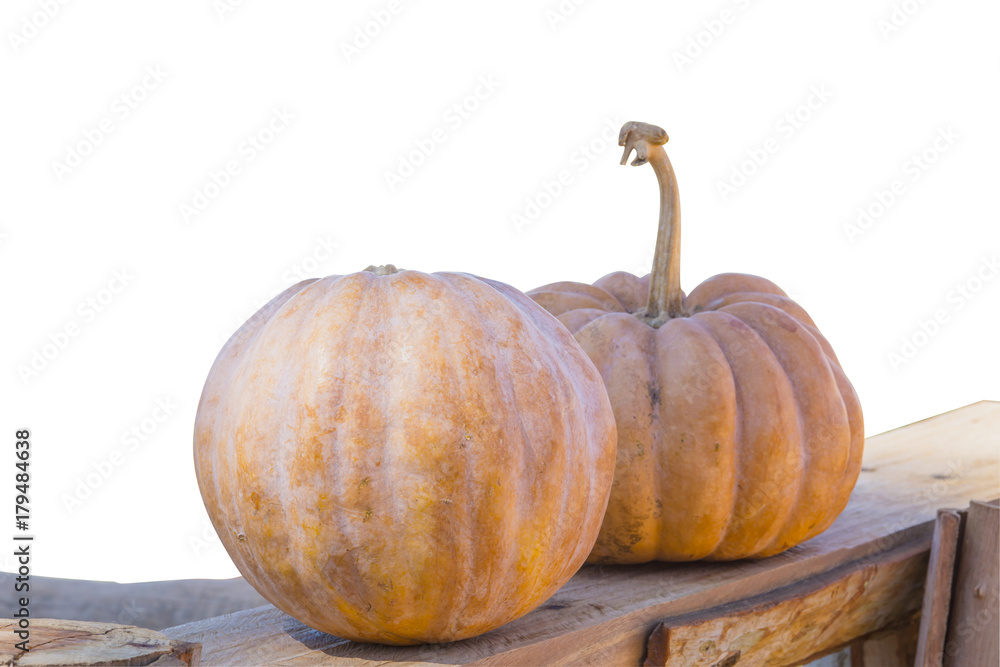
(716, 446)
(369, 513)
(364, 482)
(641, 449)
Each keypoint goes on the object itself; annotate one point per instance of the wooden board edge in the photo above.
(183, 630)
(93, 642)
(840, 584)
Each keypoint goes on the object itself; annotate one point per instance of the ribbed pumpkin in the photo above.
(401, 457)
(738, 433)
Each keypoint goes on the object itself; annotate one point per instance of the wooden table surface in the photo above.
(865, 573)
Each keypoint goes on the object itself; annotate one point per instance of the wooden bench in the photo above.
(860, 583)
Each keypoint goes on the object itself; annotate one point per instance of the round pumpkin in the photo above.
(739, 435)
(402, 457)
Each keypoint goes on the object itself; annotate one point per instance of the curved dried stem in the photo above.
(665, 296)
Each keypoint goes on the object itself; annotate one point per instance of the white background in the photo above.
(892, 76)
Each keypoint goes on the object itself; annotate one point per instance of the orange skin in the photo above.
(738, 433)
(405, 457)
(739, 436)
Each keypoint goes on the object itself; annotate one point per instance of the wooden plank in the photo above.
(937, 591)
(59, 642)
(604, 614)
(974, 622)
(798, 622)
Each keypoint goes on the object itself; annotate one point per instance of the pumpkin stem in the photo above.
(386, 270)
(665, 296)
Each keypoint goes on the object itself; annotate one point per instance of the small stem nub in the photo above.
(386, 270)
(665, 296)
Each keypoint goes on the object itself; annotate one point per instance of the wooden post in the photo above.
(973, 636)
(937, 590)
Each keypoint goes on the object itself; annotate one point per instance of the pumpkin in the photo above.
(739, 435)
(401, 457)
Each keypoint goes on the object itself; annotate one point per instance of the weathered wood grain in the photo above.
(55, 642)
(974, 622)
(937, 590)
(792, 624)
(604, 615)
